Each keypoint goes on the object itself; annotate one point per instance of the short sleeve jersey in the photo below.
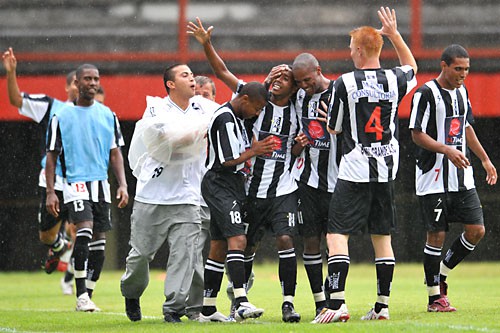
(364, 108)
(271, 173)
(40, 108)
(317, 166)
(443, 115)
(227, 140)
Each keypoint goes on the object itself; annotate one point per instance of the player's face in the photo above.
(100, 98)
(284, 85)
(454, 74)
(205, 91)
(88, 83)
(252, 108)
(308, 79)
(184, 83)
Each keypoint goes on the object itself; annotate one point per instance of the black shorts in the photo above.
(362, 207)
(440, 209)
(85, 210)
(224, 194)
(312, 210)
(47, 221)
(275, 214)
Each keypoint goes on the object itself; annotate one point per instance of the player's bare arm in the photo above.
(390, 29)
(116, 163)
(454, 155)
(10, 65)
(216, 63)
(52, 202)
(258, 148)
(478, 150)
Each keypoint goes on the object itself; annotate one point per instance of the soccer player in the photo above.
(167, 201)
(441, 127)
(40, 108)
(364, 108)
(87, 139)
(317, 167)
(271, 199)
(223, 188)
(65, 265)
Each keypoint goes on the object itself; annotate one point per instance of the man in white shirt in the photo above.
(168, 194)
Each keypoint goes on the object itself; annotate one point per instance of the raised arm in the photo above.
(218, 66)
(10, 65)
(390, 29)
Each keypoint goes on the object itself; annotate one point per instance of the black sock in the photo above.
(248, 263)
(236, 270)
(458, 251)
(432, 259)
(95, 263)
(80, 257)
(288, 271)
(385, 273)
(214, 271)
(338, 268)
(313, 264)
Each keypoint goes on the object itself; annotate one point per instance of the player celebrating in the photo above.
(271, 201)
(40, 108)
(364, 108)
(441, 123)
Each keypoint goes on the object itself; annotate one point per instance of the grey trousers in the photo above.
(194, 303)
(152, 225)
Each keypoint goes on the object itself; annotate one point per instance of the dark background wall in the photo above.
(21, 250)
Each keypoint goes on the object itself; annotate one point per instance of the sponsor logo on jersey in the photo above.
(379, 151)
(372, 90)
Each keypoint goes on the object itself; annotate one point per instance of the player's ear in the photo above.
(171, 84)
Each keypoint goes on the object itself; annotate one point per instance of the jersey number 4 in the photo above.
(374, 125)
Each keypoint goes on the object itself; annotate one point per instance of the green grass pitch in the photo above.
(33, 302)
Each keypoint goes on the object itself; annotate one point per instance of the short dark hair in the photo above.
(83, 67)
(169, 75)
(202, 80)
(255, 91)
(100, 90)
(70, 77)
(453, 51)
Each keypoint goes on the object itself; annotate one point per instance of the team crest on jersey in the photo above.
(276, 124)
(312, 109)
(454, 127)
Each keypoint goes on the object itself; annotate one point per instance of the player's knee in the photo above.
(475, 233)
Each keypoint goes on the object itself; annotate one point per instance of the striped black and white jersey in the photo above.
(40, 108)
(271, 173)
(443, 115)
(364, 108)
(227, 140)
(317, 166)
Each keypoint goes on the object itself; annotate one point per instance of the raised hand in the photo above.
(199, 32)
(9, 60)
(389, 22)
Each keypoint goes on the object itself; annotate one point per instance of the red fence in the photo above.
(125, 94)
